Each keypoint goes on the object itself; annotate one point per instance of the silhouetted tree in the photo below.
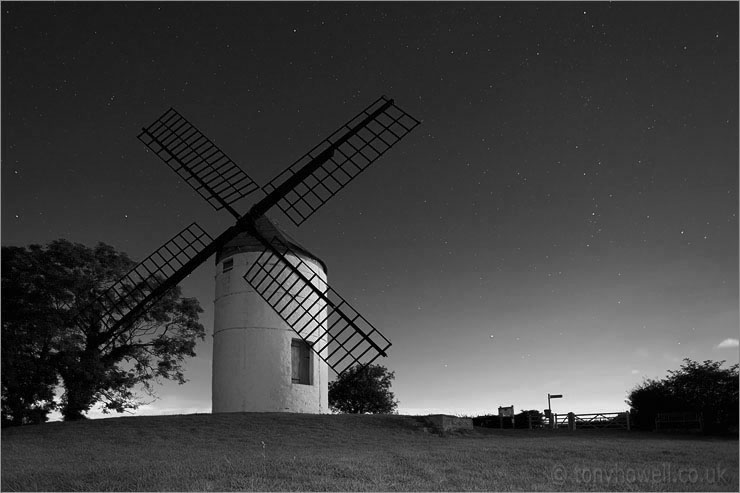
(28, 338)
(51, 284)
(704, 388)
(649, 398)
(363, 390)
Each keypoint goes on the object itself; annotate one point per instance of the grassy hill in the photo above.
(270, 451)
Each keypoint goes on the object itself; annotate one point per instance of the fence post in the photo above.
(628, 420)
(571, 422)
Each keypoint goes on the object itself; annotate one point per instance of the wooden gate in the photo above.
(592, 421)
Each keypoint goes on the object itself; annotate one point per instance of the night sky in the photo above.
(564, 220)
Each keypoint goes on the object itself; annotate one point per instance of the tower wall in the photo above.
(252, 359)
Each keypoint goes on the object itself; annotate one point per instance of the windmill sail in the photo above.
(335, 331)
(142, 286)
(324, 170)
(197, 160)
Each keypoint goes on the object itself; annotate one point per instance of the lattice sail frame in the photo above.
(354, 150)
(197, 160)
(317, 313)
(127, 292)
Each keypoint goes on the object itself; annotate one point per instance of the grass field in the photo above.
(266, 451)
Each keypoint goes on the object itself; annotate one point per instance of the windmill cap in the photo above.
(245, 242)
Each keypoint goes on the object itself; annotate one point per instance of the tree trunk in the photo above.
(81, 375)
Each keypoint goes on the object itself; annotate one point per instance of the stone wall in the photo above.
(445, 422)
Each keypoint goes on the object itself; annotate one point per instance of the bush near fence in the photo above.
(486, 421)
(536, 417)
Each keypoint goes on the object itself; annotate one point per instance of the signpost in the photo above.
(548, 411)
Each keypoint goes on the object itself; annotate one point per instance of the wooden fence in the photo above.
(593, 421)
(679, 421)
(569, 421)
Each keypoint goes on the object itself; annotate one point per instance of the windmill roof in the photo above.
(245, 242)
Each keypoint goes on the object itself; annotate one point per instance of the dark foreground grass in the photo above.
(286, 452)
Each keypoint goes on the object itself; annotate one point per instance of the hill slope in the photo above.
(271, 451)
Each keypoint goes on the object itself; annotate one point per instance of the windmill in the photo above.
(285, 286)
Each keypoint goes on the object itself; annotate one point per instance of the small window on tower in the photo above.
(300, 361)
(228, 264)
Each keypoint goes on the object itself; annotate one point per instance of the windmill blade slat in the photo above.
(345, 337)
(197, 160)
(132, 288)
(350, 150)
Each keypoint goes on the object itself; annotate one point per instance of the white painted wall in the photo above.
(252, 350)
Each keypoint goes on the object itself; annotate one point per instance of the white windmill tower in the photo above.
(259, 362)
(276, 335)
